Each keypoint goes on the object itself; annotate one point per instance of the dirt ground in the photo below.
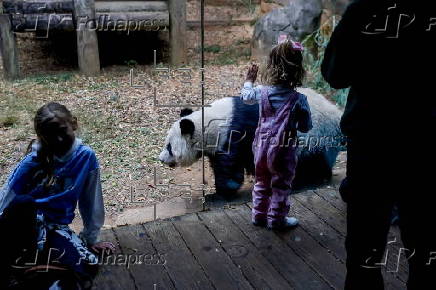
(124, 124)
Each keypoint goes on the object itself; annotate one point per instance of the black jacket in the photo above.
(390, 70)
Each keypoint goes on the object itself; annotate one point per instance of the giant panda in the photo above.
(229, 133)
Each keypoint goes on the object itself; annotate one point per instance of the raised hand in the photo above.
(252, 73)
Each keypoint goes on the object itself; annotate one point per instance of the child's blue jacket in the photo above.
(77, 181)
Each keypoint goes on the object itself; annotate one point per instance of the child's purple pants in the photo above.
(275, 161)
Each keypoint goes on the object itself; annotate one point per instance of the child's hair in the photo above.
(284, 66)
(50, 111)
(45, 114)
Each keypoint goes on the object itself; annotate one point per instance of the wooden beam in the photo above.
(42, 22)
(130, 6)
(109, 21)
(177, 9)
(37, 6)
(8, 48)
(87, 42)
(66, 6)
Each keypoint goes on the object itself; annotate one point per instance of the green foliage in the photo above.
(50, 79)
(8, 120)
(212, 48)
(316, 44)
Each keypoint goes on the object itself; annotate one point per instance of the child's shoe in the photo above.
(288, 223)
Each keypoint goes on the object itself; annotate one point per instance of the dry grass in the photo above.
(119, 122)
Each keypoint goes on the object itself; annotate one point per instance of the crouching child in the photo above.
(38, 203)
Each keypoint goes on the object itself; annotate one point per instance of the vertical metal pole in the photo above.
(202, 98)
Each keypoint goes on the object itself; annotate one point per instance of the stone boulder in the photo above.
(297, 19)
(336, 6)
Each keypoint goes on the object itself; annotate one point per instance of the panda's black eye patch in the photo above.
(170, 151)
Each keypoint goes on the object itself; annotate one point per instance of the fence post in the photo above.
(177, 10)
(87, 42)
(8, 48)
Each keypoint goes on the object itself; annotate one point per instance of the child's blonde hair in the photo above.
(284, 66)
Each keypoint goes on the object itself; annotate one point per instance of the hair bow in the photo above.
(297, 45)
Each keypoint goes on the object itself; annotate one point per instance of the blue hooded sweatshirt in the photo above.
(76, 181)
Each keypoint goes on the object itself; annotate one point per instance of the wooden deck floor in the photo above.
(220, 249)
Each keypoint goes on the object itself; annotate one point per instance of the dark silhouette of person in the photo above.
(385, 52)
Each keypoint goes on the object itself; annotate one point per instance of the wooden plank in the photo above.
(331, 215)
(258, 271)
(319, 258)
(320, 230)
(284, 259)
(112, 276)
(8, 49)
(87, 42)
(148, 271)
(177, 11)
(182, 267)
(336, 220)
(324, 263)
(216, 263)
(331, 195)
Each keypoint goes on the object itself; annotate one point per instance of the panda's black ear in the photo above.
(187, 127)
(185, 112)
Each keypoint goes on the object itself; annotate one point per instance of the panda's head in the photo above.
(181, 146)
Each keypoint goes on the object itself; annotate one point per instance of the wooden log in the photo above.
(42, 22)
(131, 6)
(8, 49)
(132, 21)
(66, 6)
(37, 6)
(177, 10)
(123, 21)
(87, 42)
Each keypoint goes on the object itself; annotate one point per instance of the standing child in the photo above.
(283, 111)
(40, 197)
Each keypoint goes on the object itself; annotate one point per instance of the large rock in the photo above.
(336, 6)
(298, 19)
